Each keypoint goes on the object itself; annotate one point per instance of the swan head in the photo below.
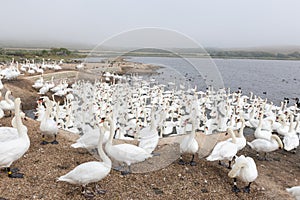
(18, 101)
(228, 131)
(23, 116)
(102, 119)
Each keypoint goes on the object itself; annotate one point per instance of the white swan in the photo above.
(89, 172)
(89, 139)
(291, 140)
(14, 149)
(48, 126)
(189, 145)
(263, 145)
(149, 135)
(245, 169)
(1, 84)
(284, 128)
(39, 83)
(225, 150)
(126, 153)
(263, 134)
(11, 133)
(240, 139)
(294, 191)
(7, 104)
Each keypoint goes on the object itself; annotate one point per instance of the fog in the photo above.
(214, 23)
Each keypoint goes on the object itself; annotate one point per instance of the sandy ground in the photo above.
(42, 165)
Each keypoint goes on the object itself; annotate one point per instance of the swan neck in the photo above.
(111, 131)
(6, 97)
(291, 123)
(260, 122)
(193, 129)
(232, 136)
(277, 140)
(18, 119)
(241, 131)
(102, 154)
(152, 125)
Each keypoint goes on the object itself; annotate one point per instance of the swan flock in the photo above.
(134, 109)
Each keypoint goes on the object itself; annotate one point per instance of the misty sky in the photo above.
(212, 23)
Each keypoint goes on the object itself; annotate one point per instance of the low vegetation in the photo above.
(6, 55)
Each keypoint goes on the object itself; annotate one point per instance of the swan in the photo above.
(126, 153)
(11, 133)
(294, 191)
(284, 128)
(89, 139)
(225, 150)
(263, 145)
(79, 66)
(39, 83)
(263, 134)
(89, 172)
(7, 104)
(189, 144)
(149, 135)
(48, 126)
(245, 169)
(1, 84)
(12, 150)
(2, 114)
(291, 140)
(240, 139)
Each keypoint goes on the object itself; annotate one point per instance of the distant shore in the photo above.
(70, 56)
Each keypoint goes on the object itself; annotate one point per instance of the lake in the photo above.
(276, 78)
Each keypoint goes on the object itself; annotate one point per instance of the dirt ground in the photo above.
(42, 165)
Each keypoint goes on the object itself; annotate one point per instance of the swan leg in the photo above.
(155, 154)
(118, 168)
(229, 164)
(54, 141)
(235, 188)
(98, 190)
(14, 174)
(44, 142)
(231, 161)
(11, 169)
(193, 163)
(86, 193)
(247, 188)
(181, 162)
(264, 158)
(126, 172)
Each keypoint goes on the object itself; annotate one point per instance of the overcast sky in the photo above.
(212, 23)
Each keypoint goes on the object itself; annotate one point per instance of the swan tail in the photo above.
(76, 145)
(250, 144)
(211, 158)
(62, 178)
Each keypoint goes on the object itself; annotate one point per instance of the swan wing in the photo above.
(86, 173)
(12, 150)
(8, 133)
(128, 153)
(262, 145)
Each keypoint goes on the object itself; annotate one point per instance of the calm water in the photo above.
(277, 78)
